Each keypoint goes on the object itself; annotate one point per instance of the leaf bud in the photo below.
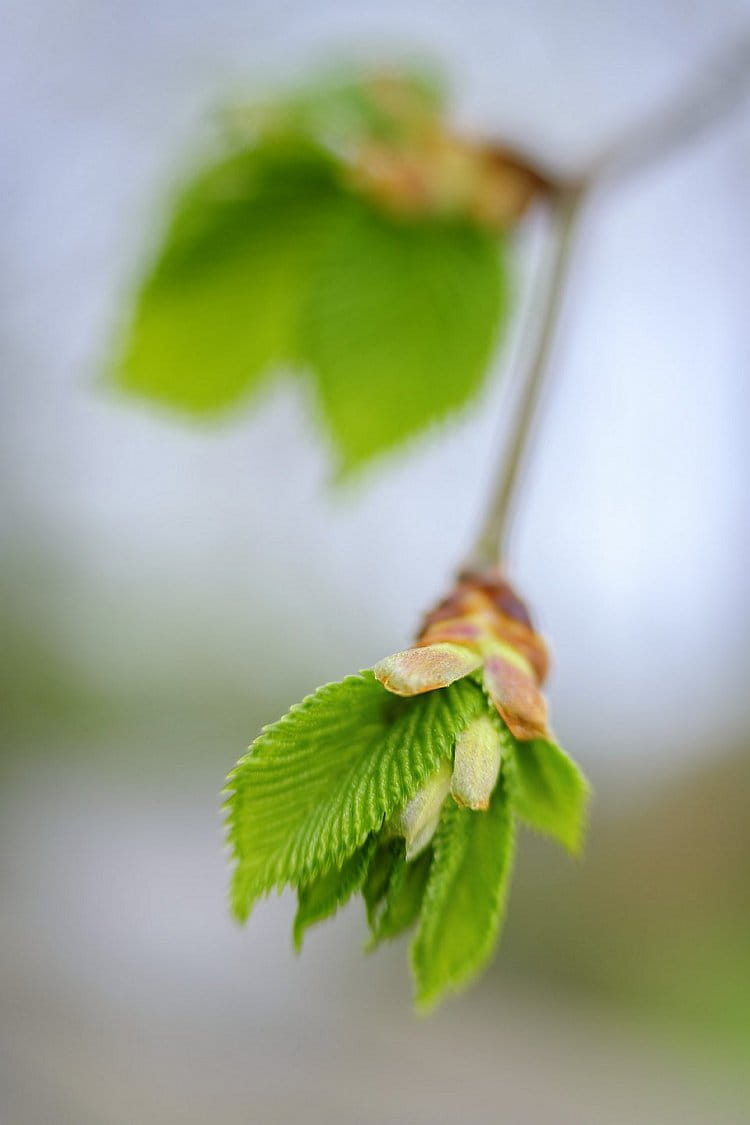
(477, 763)
(419, 818)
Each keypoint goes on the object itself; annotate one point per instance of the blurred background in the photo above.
(168, 588)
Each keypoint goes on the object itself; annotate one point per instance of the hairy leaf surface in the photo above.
(270, 260)
(464, 901)
(323, 896)
(316, 783)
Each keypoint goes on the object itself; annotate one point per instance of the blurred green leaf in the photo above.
(550, 793)
(271, 260)
(400, 325)
(464, 901)
(221, 305)
(317, 782)
(323, 896)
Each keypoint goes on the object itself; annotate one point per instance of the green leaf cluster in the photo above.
(271, 261)
(315, 802)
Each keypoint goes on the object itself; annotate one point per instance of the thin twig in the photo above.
(491, 540)
(721, 87)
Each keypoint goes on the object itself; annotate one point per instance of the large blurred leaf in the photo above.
(222, 303)
(401, 900)
(400, 324)
(271, 260)
(388, 856)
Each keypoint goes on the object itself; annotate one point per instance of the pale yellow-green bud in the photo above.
(418, 819)
(477, 763)
(426, 668)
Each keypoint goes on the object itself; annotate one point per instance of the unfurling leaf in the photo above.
(405, 783)
(464, 901)
(388, 855)
(401, 899)
(323, 896)
(417, 670)
(318, 782)
(551, 793)
(481, 624)
(477, 763)
(221, 306)
(419, 817)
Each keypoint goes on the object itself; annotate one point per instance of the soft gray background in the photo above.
(193, 582)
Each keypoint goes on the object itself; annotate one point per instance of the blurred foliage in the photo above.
(275, 258)
(399, 329)
(394, 891)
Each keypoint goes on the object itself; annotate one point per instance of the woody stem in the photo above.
(490, 544)
(721, 87)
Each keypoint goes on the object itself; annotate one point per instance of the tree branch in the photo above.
(721, 87)
(489, 547)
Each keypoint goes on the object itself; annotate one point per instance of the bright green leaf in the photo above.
(400, 325)
(464, 901)
(316, 783)
(323, 896)
(222, 304)
(387, 856)
(402, 898)
(550, 793)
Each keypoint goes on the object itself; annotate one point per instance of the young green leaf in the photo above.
(221, 306)
(323, 896)
(387, 857)
(316, 783)
(402, 898)
(464, 901)
(418, 819)
(400, 325)
(550, 793)
(477, 762)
